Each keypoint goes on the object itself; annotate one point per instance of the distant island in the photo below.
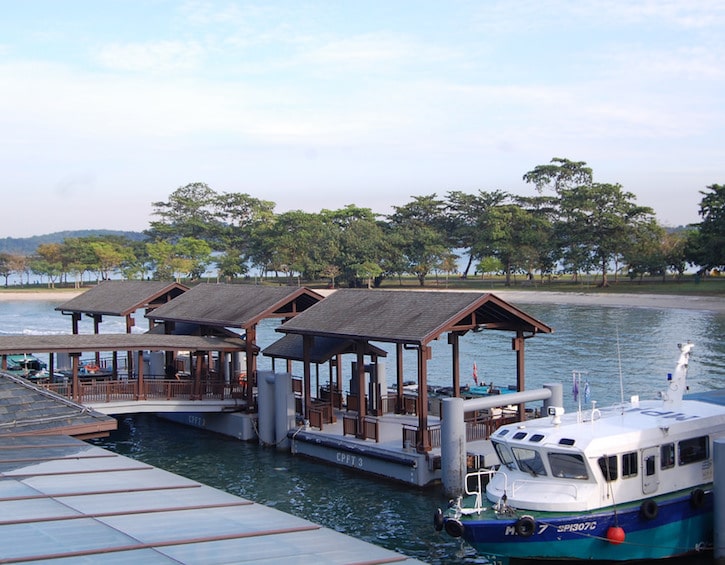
(28, 245)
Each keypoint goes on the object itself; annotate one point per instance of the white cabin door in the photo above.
(650, 470)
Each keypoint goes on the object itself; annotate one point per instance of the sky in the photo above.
(107, 107)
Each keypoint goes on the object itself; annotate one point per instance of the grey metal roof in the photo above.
(26, 409)
(235, 305)
(78, 343)
(323, 348)
(120, 298)
(65, 500)
(415, 317)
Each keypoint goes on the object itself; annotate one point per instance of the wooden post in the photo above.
(141, 388)
(307, 342)
(399, 407)
(456, 368)
(361, 404)
(423, 443)
(518, 347)
(249, 341)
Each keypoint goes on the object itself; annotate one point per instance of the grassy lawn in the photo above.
(711, 286)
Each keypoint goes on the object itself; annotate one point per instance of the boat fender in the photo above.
(525, 526)
(649, 509)
(697, 498)
(438, 520)
(453, 527)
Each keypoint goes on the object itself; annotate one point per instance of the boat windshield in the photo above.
(568, 466)
(529, 460)
(504, 454)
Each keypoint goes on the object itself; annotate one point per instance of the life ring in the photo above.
(453, 527)
(242, 378)
(92, 368)
(649, 509)
(438, 520)
(525, 526)
(697, 498)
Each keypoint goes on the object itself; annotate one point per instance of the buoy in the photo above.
(615, 535)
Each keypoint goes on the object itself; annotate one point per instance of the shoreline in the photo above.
(624, 300)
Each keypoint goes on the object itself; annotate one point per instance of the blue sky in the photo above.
(110, 106)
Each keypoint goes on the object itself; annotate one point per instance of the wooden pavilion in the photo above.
(410, 320)
(214, 307)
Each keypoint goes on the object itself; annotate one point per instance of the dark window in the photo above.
(649, 465)
(667, 456)
(608, 465)
(536, 438)
(629, 465)
(568, 466)
(693, 450)
(567, 441)
(519, 435)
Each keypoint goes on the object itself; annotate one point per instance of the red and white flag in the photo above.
(475, 373)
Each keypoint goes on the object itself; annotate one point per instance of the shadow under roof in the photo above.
(414, 317)
(235, 305)
(121, 298)
(323, 348)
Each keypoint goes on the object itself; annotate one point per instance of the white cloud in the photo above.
(155, 56)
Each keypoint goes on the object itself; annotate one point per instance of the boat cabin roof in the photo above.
(617, 428)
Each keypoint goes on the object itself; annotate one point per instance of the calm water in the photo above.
(639, 344)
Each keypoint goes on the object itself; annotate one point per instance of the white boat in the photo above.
(632, 481)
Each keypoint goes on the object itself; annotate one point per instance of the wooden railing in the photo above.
(153, 389)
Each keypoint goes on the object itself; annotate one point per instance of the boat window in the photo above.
(667, 456)
(692, 450)
(568, 466)
(608, 465)
(502, 432)
(529, 460)
(519, 435)
(649, 465)
(629, 465)
(536, 438)
(504, 455)
(567, 441)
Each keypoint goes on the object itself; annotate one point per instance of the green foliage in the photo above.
(577, 226)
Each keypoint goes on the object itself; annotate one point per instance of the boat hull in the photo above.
(655, 530)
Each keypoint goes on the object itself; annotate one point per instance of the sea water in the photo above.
(617, 351)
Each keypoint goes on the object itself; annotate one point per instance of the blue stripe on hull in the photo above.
(677, 529)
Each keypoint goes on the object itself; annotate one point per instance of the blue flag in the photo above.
(586, 392)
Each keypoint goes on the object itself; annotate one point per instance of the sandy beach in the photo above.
(705, 303)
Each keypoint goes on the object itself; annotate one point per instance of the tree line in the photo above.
(570, 224)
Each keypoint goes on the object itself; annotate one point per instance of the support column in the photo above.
(518, 347)
(361, 404)
(307, 342)
(423, 443)
(249, 341)
(141, 386)
(453, 446)
(399, 401)
(453, 340)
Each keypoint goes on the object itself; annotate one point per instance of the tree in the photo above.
(466, 216)
(47, 262)
(420, 224)
(191, 211)
(5, 267)
(360, 241)
(706, 246)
